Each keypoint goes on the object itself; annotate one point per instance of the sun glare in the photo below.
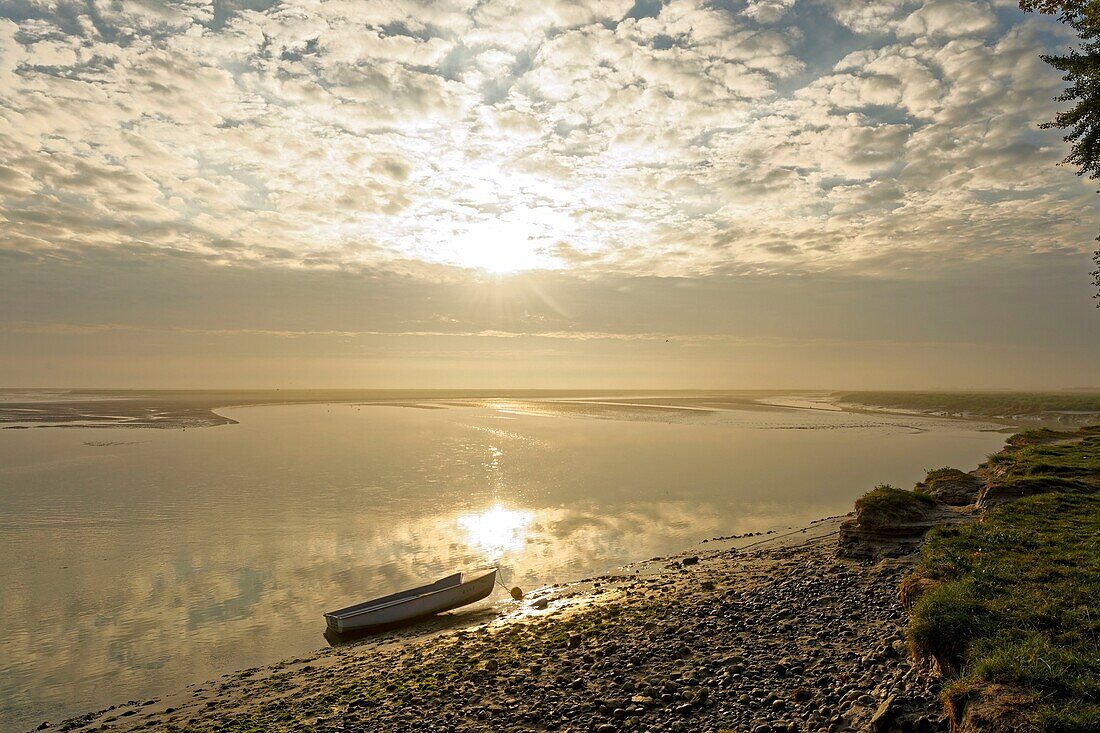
(502, 248)
(496, 530)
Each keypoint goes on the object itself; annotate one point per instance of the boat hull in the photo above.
(407, 610)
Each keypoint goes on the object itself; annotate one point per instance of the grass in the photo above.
(1018, 604)
(886, 502)
(1038, 461)
(942, 474)
(1077, 459)
(988, 404)
(1009, 605)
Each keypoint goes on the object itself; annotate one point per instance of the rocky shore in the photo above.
(757, 635)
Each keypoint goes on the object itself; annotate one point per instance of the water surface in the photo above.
(137, 561)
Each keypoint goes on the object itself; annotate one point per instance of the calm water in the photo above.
(138, 561)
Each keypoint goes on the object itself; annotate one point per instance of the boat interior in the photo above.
(442, 584)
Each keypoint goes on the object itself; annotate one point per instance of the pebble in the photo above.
(767, 641)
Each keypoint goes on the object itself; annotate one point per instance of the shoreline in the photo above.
(59, 703)
(175, 410)
(814, 634)
(831, 627)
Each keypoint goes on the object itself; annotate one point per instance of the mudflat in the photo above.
(27, 408)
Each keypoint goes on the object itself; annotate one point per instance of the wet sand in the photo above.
(762, 634)
(21, 409)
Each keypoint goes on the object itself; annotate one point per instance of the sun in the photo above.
(503, 248)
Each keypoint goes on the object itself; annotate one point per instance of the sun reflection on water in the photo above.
(496, 530)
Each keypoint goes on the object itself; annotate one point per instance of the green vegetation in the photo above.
(1048, 460)
(1037, 452)
(889, 504)
(986, 404)
(1019, 604)
(951, 486)
(945, 473)
(1015, 598)
(1081, 69)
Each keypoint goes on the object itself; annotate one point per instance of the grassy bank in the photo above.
(985, 404)
(894, 502)
(1013, 617)
(1040, 461)
(889, 504)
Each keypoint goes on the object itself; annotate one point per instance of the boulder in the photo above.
(1009, 489)
(951, 486)
(887, 718)
(889, 522)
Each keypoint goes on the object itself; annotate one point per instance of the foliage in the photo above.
(1082, 70)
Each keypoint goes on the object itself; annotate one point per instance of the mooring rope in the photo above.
(515, 591)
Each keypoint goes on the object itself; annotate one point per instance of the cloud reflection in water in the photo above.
(241, 537)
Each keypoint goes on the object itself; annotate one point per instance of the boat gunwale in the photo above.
(353, 611)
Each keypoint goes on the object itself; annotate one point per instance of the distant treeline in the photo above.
(980, 403)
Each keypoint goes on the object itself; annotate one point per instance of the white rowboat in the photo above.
(453, 591)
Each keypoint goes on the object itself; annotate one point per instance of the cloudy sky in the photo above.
(741, 193)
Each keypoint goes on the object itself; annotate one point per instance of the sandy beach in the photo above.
(762, 633)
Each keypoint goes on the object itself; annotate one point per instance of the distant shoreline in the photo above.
(174, 409)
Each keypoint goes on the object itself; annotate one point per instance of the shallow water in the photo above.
(138, 561)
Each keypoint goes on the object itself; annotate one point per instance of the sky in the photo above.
(737, 194)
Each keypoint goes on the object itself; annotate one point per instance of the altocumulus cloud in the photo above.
(669, 138)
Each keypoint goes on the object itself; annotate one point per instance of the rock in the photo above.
(885, 718)
(952, 486)
(44, 725)
(790, 640)
(540, 604)
(1009, 489)
(878, 532)
(690, 561)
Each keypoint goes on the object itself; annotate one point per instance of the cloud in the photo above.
(93, 329)
(951, 18)
(408, 136)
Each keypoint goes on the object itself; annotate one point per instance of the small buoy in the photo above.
(517, 593)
